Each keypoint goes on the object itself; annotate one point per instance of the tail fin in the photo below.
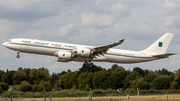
(161, 45)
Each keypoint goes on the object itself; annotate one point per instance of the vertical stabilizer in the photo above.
(161, 45)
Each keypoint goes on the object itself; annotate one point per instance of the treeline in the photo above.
(116, 77)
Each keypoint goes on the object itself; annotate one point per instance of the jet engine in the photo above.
(65, 55)
(85, 52)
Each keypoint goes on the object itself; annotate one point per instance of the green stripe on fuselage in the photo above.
(72, 49)
(40, 46)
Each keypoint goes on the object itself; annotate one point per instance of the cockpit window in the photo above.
(9, 40)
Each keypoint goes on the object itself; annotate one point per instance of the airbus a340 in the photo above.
(66, 52)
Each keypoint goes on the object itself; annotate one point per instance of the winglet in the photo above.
(104, 48)
(121, 40)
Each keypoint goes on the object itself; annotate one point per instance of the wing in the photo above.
(164, 55)
(104, 48)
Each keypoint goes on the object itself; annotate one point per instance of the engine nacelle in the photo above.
(65, 55)
(84, 52)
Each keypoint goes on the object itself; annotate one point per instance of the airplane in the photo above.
(66, 52)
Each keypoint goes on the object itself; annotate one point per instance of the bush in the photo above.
(152, 91)
(110, 91)
(143, 91)
(171, 91)
(12, 89)
(130, 91)
(9, 93)
(97, 91)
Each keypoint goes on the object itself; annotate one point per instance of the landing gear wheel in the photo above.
(18, 56)
(85, 64)
(90, 65)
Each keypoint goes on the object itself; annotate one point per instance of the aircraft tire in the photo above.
(90, 65)
(85, 64)
(18, 56)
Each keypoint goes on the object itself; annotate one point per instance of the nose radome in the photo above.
(4, 44)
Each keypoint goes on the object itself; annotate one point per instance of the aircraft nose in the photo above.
(5, 44)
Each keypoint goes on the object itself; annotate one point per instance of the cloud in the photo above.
(119, 9)
(172, 21)
(167, 12)
(22, 5)
(27, 11)
(64, 30)
(106, 18)
(98, 20)
(97, 2)
(9, 28)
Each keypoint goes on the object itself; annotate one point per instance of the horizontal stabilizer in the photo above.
(164, 55)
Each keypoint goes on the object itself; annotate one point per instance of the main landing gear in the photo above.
(88, 65)
(18, 56)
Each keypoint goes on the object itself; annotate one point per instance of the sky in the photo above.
(89, 22)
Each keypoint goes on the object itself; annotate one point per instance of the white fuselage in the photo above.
(52, 48)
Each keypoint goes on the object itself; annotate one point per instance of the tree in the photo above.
(90, 80)
(139, 70)
(165, 72)
(129, 78)
(146, 72)
(4, 86)
(161, 82)
(174, 85)
(1, 73)
(27, 71)
(25, 86)
(82, 80)
(61, 81)
(93, 69)
(116, 79)
(113, 67)
(41, 75)
(53, 79)
(119, 69)
(143, 85)
(33, 76)
(19, 69)
(48, 86)
(100, 79)
(40, 86)
(10, 77)
(69, 80)
(19, 76)
(37, 75)
(5, 78)
(1, 90)
(149, 78)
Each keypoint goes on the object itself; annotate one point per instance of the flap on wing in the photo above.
(164, 55)
(106, 47)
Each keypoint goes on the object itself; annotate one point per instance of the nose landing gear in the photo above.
(88, 65)
(18, 56)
